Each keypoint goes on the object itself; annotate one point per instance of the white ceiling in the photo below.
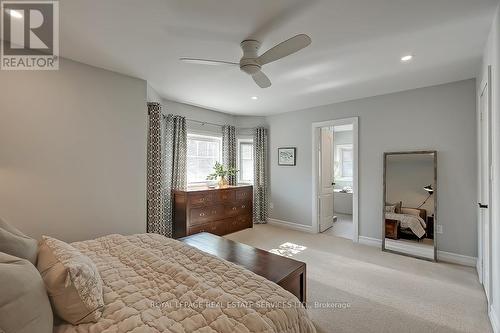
(355, 51)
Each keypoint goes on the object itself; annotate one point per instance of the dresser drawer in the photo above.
(231, 209)
(245, 220)
(217, 228)
(238, 224)
(205, 214)
(200, 199)
(245, 207)
(225, 196)
(244, 194)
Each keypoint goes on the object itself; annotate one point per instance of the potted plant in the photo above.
(221, 173)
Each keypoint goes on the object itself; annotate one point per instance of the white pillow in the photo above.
(390, 209)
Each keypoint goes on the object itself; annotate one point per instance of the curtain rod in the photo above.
(218, 125)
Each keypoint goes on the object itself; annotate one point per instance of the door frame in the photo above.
(355, 172)
(485, 84)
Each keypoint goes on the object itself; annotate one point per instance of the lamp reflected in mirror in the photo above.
(430, 192)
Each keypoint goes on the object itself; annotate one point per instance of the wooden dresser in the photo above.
(217, 211)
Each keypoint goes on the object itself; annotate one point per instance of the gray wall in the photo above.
(406, 176)
(192, 112)
(73, 152)
(440, 117)
(152, 94)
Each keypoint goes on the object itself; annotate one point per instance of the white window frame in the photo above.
(240, 141)
(206, 135)
(339, 159)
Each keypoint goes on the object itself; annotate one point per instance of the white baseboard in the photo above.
(455, 258)
(370, 241)
(448, 257)
(290, 225)
(495, 322)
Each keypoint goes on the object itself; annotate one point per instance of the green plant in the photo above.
(221, 171)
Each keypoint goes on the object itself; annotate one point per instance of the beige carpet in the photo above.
(385, 292)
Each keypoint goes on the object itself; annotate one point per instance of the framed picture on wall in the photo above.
(286, 156)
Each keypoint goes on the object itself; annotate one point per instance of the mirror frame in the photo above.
(434, 152)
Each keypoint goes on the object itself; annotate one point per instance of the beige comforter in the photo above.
(156, 284)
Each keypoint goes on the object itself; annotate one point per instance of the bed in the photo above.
(412, 221)
(155, 284)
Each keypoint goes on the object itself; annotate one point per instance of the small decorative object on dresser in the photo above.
(286, 156)
(218, 211)
(222, 173)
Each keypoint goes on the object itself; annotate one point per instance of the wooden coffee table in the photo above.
(288, 273)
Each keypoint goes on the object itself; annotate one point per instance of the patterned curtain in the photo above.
(229, 150)
(260, 190)
(155, 173)
(175, 162)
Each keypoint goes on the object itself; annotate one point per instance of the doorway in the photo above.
(485, 185)
(335, 178)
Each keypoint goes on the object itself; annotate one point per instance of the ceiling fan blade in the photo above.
(208, 62)
(261, 79)
(284, 49)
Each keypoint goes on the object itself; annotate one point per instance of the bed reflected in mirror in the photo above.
(410, 203)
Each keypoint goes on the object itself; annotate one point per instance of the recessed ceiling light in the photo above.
(14, 13)
(407, 58)
(254, 97)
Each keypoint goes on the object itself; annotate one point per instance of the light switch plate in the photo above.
(439, 229)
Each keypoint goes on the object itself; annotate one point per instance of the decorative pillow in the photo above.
(397, 206)
(24, 305)
(390, 209)
(17, 244)
(72, 281)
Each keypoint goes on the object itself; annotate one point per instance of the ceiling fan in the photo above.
(252, 64)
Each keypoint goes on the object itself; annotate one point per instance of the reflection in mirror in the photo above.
(410, 203)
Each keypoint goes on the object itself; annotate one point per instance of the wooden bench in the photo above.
(288, 273)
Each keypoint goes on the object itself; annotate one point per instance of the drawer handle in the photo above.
(234, 208)
(243, 206)
(202, 214)
(214, 212)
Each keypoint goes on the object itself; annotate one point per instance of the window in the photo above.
(343, 158)
(202, 153)
(245, 161)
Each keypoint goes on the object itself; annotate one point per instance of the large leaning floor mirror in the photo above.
(410, 208)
